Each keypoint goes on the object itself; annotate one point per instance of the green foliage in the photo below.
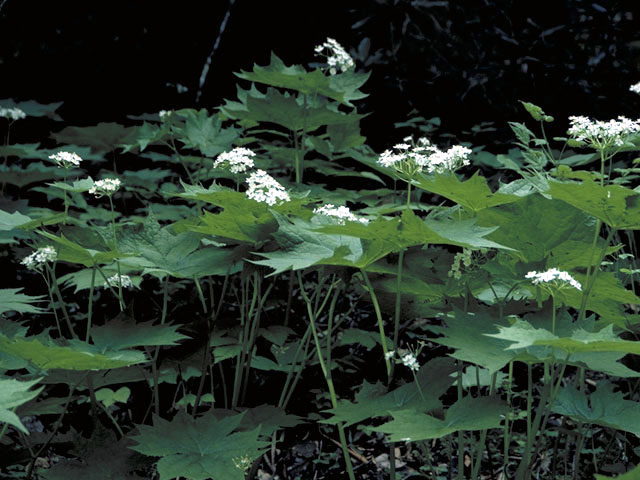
(11, 300)
(214, 296)
(14, 393)
(199, 449)
(467, 414)
(602, 407)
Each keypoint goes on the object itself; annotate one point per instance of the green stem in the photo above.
(66, 201)
(115, 243)
(507, 431)
(154, 362)
(327, 375)
(592, 273)
(376, 308)
(90, 306)
(63, 307)
(53, 304)
(460, 433)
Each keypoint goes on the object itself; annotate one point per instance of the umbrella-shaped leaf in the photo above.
(199, 449)
(342, 87)
(602, 407)
(374, 400)
(46, 353)
(481, 413)
(119, 334)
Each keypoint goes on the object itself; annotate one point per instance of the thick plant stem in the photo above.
(154, 362)
(376, 308)
(507, 431)
(63, 307)
(460, 433)
(326, 370)
(90, 306)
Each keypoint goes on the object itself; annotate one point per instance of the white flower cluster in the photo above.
(66, 159)
(407, 358)
(107, 187)
(410, 361)
(40, 257)
(262, 187)
(553, 275)
(238, 160)
(122, 280)
(412, 158)
(602, 135)
(337, 58)
(342, 213)
(12, 113)
(164, 114)
(635, 88)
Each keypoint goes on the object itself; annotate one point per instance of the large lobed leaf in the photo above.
(14, 393)
(198, 449)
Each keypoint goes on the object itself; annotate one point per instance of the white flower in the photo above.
(635, 88)
(602, 135)
(423, 156)
(123, 280)
(266, 189)
(342, 213)
(107, 187)
(337, 58)
(555, 276)
(389, 354)
(410, 361)
(40, 257)
(164, 114)
(66, 159)
(238, 160)
(452, 159)
(12, 113)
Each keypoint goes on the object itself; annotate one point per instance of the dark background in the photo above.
(465, 61)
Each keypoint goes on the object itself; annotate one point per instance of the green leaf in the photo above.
(267, 418)
(33, 108)
(302, 247)
(11, 300)
(342, 87)
(119, 334)
(536, 112)
(9, 221)
(356, 336)
(602, 407)
(46, 353)
(198, 449)
(87, 254)
(158, 249)
(473, 337)
(473, 193)
(523, 335)
(468, 414)
(205, 133)
(615, 205)
(14, 393)
(374, 400)
(607, 298)
(101, 137)
(538, 228)
(286, 110)
(109, 397)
